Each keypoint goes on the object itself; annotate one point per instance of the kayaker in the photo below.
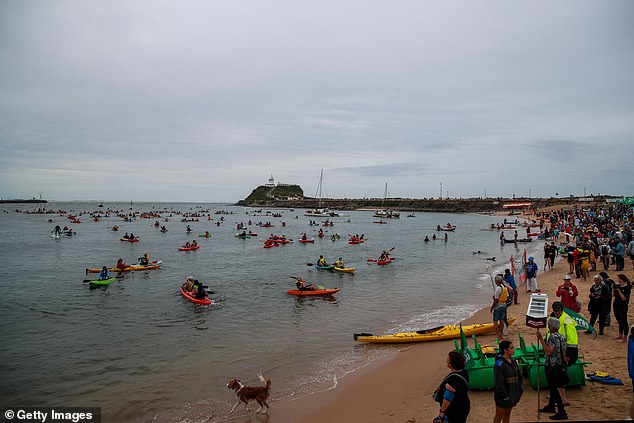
(446, 238)
(339, 263)
(104, 274)
(207, 234)
(144, 260)
(187, 245)
(303, 286)
(58, 230)
(385, 256)
(199, 290)
(121, 265)
(188, 285)
(194, 244)
(126, 236)
(433, 237)
(132, 236)
(304, 238)
(322, 261)
(188, 229)
(426, 238)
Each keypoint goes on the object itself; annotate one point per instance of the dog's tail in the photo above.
(267, 382)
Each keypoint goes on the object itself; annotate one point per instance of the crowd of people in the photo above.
(587, 236)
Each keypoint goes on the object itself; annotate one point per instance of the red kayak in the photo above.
(381, 262)
(203, 301)
(355, 241)
(189, 248)
(130, 239)
(306, 241)
(305, 292)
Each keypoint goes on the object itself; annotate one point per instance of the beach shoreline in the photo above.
(398, 388)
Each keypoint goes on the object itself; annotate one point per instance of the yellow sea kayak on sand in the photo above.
(435, 334)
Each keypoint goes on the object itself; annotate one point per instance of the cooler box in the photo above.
(537, 312)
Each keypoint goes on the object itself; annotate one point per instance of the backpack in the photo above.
(604, 250)
(504, 295)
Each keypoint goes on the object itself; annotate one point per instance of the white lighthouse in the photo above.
(271, 182)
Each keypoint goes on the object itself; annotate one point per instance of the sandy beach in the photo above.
(398, 388)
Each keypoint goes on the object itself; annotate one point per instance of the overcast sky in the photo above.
(204, 100)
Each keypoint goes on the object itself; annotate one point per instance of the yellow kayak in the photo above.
(435, 334)
(345, 269)
(134, 267)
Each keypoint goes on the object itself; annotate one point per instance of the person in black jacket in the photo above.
(598, 305)
(508, 383)
(454, 402)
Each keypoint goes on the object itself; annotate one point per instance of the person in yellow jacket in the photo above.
(567, 328)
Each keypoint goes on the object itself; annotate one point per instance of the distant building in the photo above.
(273, 184)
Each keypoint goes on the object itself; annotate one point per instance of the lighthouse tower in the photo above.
(271, 182)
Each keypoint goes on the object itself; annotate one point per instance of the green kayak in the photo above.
(100, 282)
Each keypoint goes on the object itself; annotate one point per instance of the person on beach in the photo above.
(508, 383)
(621, 294)
(630, 252)
(607, 280)
(104, 274)
(453, 392)
(531, 275)
(498, 308)
(509, 279)
(597, 307)
(605, 255)
(556, 375)
(568, 293)
(630, 363)
(567, 329)
(619, 255)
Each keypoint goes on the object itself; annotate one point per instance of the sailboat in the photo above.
(386, 213)
(320, 211)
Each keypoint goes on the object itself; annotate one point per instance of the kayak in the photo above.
(447, 228)
(204, 236)
(100, 282)
(204, 301)
(242, 236)
(306, 292)
(381, 262)
(306, 241)
(329, 267)
(355, 241)
(189, 248)
(434, 334)
(154, 265)
(345, 269)
(130, 240)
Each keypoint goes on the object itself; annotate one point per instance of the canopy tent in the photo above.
(629, 201)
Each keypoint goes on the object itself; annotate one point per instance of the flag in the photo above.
(466, 352)
(582, 324)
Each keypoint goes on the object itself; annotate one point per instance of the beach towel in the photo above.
(603, 377)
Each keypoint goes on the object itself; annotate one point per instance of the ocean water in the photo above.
(141, 352)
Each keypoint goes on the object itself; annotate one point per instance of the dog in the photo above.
(249, 393)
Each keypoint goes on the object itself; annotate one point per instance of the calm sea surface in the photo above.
(143, 353)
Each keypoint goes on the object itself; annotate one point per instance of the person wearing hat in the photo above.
(498, 308)
(339, 263)
(568, 293)
(567, 329)
(188, 285)
(531, 275)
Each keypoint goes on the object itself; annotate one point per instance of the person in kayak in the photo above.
(188, 229)
(194, 244)
(188, 285)
(303, 286)
(132, 236)
(199, 290)
(104, 274)
(426, 238)
(163, 228)
(126, 236)
(144, 260)
(385, 256)
(121, 265)
(57, 231)
(339, 263)
(304, 238)
(322, 261)
(187, 245)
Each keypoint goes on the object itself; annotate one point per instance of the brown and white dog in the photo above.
(249, 393)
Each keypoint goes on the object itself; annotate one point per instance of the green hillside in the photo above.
(267, 194)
